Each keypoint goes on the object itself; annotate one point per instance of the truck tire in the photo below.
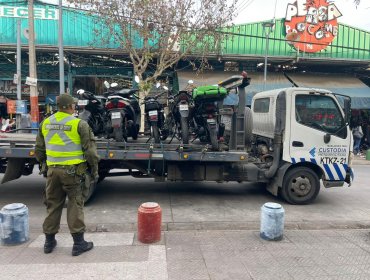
(102, 176)
(248, 124)
(91, 188)
(301, 185)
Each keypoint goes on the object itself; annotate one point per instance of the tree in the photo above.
(156, 34)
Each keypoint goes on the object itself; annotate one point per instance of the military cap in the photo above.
(65, 100)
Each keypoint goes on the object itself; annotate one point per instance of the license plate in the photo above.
(82, 102)
(227, 121)
(211, 121)
(153, 113)
(116, 115)
(184, 107)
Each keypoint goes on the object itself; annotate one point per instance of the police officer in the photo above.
(66, 146)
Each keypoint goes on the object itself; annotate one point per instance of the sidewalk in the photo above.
(360, 160)
(240, 254)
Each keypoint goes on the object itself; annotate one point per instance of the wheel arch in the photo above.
(317, 169)
(301, 184)
(277, 181)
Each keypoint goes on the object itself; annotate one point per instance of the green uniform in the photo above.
(67, 145)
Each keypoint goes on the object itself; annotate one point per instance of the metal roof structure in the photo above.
(83, 32)
(89, 52)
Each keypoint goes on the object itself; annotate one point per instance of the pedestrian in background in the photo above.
(66, 146)
(357, 136)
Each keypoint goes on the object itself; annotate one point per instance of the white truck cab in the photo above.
(307, 130)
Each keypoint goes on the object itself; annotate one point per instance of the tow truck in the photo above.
(294, 140)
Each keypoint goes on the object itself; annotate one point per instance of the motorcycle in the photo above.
(121, 119)
(155, 117)
(208, 126)
(91, 109)
(180, 112)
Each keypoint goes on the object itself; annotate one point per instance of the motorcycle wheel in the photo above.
(118, 134)
(155, 133)
(213, 138)
(91, 122)
(184, 130)
(134, 132)
(164, 134)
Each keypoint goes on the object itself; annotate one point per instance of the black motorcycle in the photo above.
(155, 117)
(91, 109)
(208, 126)
(180, 112)
(121, 118)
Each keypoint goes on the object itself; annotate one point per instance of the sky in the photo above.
(261, 10)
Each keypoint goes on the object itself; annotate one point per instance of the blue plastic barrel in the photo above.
(272, 221)
(14, 225)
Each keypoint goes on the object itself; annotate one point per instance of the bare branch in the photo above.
(160, 32)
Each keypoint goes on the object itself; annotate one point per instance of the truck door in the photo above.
(318, 134)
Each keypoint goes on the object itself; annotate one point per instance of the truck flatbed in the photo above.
(21, 145)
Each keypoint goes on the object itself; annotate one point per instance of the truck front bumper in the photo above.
(350, 176)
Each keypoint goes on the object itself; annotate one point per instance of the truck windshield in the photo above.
(320, 112)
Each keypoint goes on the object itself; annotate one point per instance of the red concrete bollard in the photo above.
(149, 222)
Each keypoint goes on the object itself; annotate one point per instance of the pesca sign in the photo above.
(311, 25)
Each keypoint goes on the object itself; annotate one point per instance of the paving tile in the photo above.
(304, 254)
(340, 270)
(99, 239)
(7, 254)
(187, 270)
(175, 238)
(98, 254)
(184, 252)
(157, 270)
(269, 273)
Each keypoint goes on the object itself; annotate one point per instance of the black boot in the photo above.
(50, 243)
(80, 245)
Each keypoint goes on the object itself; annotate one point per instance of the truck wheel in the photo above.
(102, 176)
(90, 188)
(248, 124)
(301, 185)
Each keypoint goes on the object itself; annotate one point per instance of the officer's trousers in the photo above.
(63, 182)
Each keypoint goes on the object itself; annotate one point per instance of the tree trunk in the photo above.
(142, 95)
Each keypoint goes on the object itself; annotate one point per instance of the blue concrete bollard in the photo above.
(14, 225)
(272, 221)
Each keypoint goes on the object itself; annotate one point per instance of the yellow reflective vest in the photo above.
(62, 141)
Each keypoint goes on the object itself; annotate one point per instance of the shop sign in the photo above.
(22, 12)
(11, 106)
(21, 106)
(8, 88)
(312, 24)
(31, 81)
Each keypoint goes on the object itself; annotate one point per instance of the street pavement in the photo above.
(208, 232)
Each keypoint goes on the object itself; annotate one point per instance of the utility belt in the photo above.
(79, 169)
